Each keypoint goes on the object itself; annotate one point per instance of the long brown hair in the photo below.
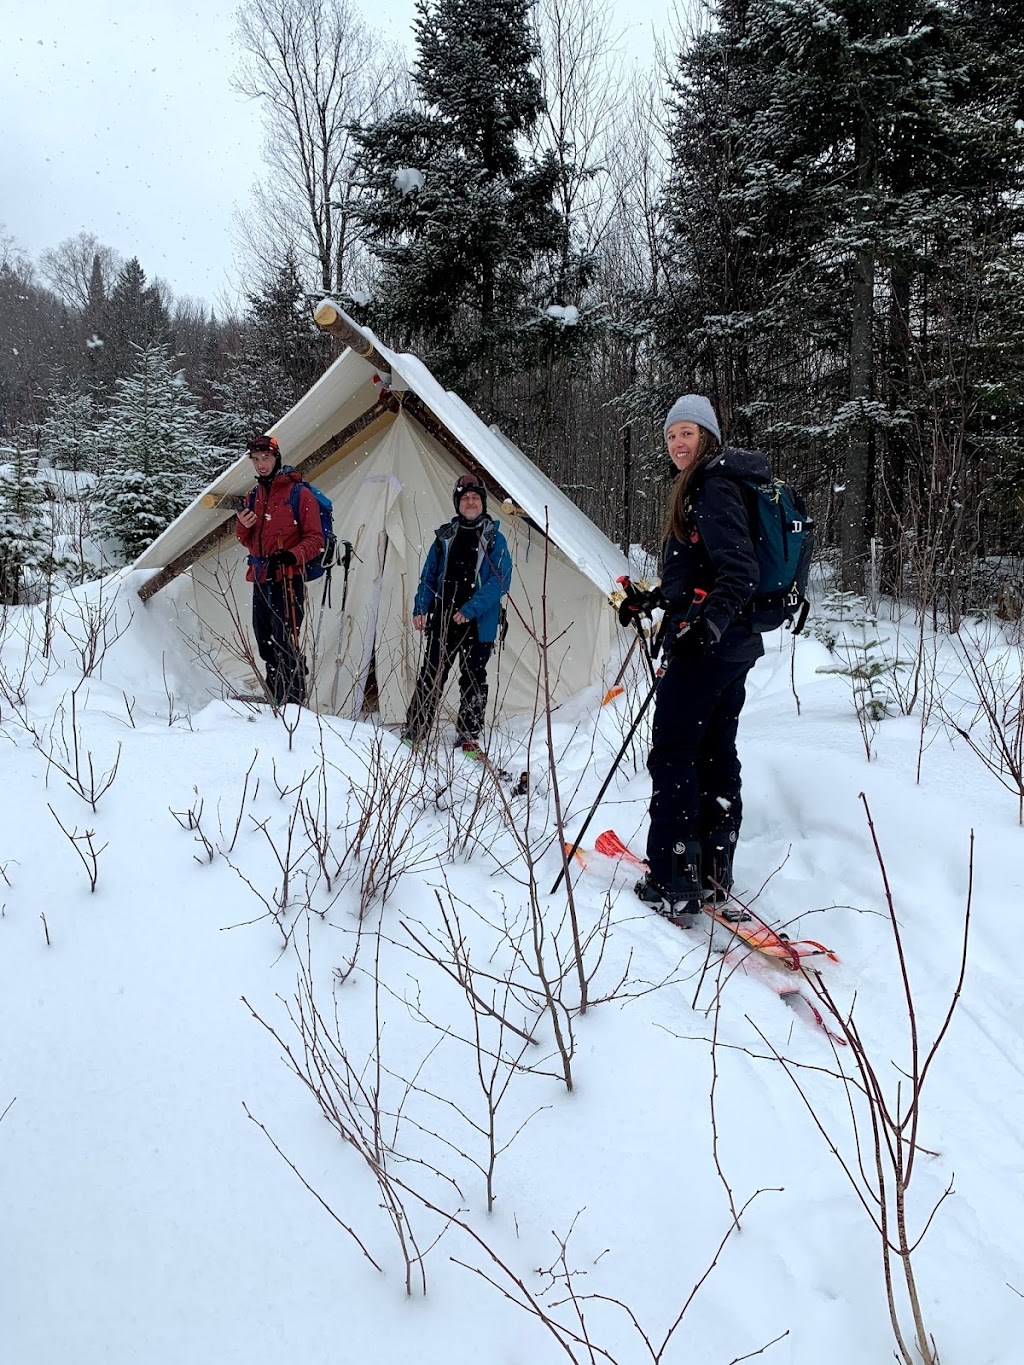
(676, 509)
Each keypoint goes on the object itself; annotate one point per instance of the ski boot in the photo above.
(680, 900)
(717, 879)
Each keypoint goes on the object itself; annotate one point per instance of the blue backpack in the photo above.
(783, 536)
(328, 556)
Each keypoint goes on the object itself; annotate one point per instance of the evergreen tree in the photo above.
(983, 283)
(457, 214)
(33, 336)
(717, 305)
(154, 456)
(93, 324)
(283, 353)
(133, 315)
(69, 437)
(26, 539)
(824, 198)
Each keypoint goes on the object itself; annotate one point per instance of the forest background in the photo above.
(812, 213)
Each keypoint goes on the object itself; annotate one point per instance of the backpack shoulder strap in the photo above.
(294, 494)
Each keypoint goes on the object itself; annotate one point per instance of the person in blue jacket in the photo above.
(458, 603)
(696, 806)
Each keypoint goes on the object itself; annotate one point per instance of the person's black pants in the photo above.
(277, 611)
(694, 767)
(442, 648)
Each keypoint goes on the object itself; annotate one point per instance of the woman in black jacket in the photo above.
(696, 807)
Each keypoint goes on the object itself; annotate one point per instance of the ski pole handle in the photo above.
(691, 614)
(692, 611)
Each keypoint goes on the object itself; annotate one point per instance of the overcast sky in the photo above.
(117, 117)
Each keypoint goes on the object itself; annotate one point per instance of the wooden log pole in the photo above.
(233, 502)
(338, 446)
(330, 318)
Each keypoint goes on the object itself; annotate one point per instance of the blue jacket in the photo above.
(493, 577)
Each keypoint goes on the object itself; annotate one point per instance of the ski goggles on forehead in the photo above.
(263, 445)
(469, 483)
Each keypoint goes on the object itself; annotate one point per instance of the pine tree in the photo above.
(69, 437)
(33, 336)
(984, 281)
(133, 315)
(154, 454)
(283, 354)
(94, 324)
(457, 214)
(717, 311)
(825, 202)
(26, 539)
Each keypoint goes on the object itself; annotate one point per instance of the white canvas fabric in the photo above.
(389, 495)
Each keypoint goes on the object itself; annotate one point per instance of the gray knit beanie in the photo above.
(694, 407)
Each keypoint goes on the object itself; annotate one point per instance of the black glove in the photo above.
(280, 559)
(637, 602)
(694, 640)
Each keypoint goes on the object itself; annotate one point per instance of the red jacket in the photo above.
(276, 528)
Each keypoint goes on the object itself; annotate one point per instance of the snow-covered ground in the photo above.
(240, 1131)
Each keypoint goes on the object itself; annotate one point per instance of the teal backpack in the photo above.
(783, 536)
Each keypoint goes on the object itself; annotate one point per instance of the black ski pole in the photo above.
(570, 853)
(698, 601)
(346, 561)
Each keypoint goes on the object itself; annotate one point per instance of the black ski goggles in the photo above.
(263, 445)
(468, 483)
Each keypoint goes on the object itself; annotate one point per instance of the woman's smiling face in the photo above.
(684, 444)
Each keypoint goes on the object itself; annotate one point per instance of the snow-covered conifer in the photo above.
(133, 315)
(153, 452)
(26, 540)
(282, 355)
(69, 438)
(458, 251)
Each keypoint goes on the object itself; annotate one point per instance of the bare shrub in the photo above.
(885, 1120)
(90, 621)
(63, 750)
(991, 719)
(84, 844)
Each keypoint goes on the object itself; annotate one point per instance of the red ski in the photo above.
(754, 932)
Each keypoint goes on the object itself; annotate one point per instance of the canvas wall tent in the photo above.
(388, 456)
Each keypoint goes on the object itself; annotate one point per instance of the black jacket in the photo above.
(718, 554)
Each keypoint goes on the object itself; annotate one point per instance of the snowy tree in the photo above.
(26, 540)
(32, 339)
(154, 458)
(69, 437)
(825, 200)
(134, 315)
(282, 354)
(457, 213)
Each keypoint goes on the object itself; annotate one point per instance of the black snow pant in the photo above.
(695, 772)
(442, 647)
(277, 611)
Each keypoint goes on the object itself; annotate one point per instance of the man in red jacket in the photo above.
(282, 533)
